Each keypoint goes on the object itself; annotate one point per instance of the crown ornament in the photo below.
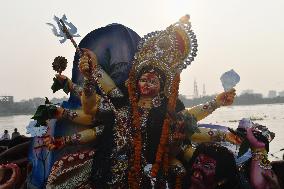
(170, 50)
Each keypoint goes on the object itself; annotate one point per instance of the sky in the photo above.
(244, 35)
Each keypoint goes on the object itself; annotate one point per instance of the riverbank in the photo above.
(241, 100)
(15, 114)
(25, 107)
(29, 107)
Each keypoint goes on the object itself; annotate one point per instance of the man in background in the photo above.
(5, 136)
(15, 133)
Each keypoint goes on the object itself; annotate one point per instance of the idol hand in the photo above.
(88, 63)
(226, 98)
(54, 143)
(61, 78)
(256, 144)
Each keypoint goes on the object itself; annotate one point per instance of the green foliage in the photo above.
(57, 85)
(44, 113)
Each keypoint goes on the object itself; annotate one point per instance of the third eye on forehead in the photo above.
(149, 78)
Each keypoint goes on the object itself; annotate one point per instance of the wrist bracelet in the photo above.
(261, 156)
(69, 114)
(73, 139)
(89, 87)
(77, 90)
(210, 106)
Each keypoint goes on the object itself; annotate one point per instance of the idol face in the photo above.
(203, 172)
(149, 85)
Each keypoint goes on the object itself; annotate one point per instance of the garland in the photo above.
(163, 146)
(178, 184)
(162, 152)
(137, 139)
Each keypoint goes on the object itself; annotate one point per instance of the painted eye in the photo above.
(197, 161)
(209, 166)
(143, 80)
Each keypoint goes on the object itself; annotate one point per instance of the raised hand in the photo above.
(61, 78)
(226, 98)
(253, 140)
(88, 63)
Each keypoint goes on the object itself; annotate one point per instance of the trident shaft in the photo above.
(94, 76)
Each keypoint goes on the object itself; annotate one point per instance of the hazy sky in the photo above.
(244, 35)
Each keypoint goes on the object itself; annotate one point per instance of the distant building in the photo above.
(195, 90)
(248, 91)
(6, 99)
(272, 94)
(204, 91)
(281, 94)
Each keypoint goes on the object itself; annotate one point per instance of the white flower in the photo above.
(36, 131)
(229, 79)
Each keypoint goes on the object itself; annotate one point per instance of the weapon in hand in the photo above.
(69, 34)
(229, 80)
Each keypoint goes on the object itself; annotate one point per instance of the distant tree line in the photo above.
(243, 99)
(30, 106)
(25, 107)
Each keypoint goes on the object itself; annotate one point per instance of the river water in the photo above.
(271, 115)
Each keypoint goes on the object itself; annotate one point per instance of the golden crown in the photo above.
(170, 51)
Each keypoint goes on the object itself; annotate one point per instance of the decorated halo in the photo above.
(170, 51)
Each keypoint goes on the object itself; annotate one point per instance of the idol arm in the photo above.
(259, 165)
(207, 135)
(76, 116)
(90, 102)
(83, 137)
(203, 110)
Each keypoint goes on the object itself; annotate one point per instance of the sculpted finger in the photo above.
(232, 90)
(88, 52)
(230, 99)
(84, 59)
(85, 67)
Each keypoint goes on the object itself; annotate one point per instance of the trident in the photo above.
(68, 33)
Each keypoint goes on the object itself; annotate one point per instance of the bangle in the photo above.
(99, 130)
(89, 87)
(259, 150)
(210, 106)
(115, 93)
(73, 139)
(261, 156)
(77, 90)
(69, 114)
